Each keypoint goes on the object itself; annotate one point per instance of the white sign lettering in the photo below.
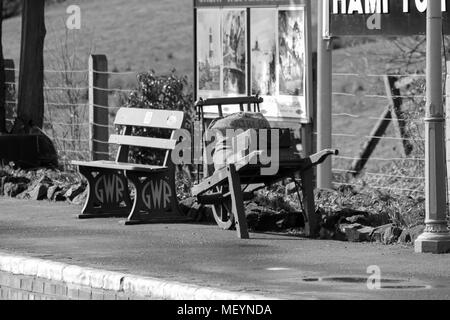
(378, 6)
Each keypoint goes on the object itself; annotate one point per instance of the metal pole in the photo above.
(447, 122)
(324, 87)
(436, 238)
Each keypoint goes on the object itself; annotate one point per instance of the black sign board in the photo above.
(379, 17)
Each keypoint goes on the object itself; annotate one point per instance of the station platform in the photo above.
(192, 261)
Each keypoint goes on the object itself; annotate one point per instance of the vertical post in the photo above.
(436, 238)
(447, 124)
(10, 80)
(324, 87)
(312, 220)
(98, 108)
(30, 105)
(195, 52)
(2, 78)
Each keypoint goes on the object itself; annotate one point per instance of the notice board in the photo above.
(259, 47)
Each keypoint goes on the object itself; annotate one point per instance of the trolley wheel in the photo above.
(223, 212)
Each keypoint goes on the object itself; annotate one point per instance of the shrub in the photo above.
(159, 92)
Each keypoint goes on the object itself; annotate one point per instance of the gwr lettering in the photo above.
(109, 189)
(157, 194)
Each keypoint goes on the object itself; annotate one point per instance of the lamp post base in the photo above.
(437, 243)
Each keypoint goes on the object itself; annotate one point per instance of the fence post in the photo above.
(10, 82)
(10, 75)
(98, 108)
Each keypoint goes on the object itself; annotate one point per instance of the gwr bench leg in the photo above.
(237, 201)
(135, 214)
(312, 225)
(156, 199)
(106, 191)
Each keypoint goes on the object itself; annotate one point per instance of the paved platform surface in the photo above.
(268, 264)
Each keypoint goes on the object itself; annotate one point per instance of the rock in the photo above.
(17, 180)
(359, 235)
(252, 208)
(291, 188)
(14, 189)
(2, 185)
(291, 220)
(377, 235)
(361, 219)
(74, 192)
(37, 192)
(410, 235)
(45, 180)
(40, 192)
(387, 234)
(326, 234)
(52, 191)
(25, 195)
(252, 220)
(80, 199)
(60, 196)
(208, 215)
(344, 227)
(391, 235)
(196, 212)
(187, 204)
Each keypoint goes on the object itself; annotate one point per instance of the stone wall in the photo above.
(20, 287)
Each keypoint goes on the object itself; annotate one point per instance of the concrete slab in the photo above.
(202, 255)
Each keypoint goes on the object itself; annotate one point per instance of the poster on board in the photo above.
(278, 61)
(256, 50)
(209, 54)
(234, 48)
(291, 48)
(264, 52)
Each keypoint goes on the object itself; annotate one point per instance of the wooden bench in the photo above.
(155, 198)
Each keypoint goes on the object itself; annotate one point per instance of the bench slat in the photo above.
(135, 141)
(119, 166)
(150, 118)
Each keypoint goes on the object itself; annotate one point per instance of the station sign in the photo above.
(379, 17)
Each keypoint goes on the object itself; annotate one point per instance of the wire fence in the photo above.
(359, 103)
(66, 120)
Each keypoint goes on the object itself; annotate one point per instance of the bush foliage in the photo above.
(166, 92)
